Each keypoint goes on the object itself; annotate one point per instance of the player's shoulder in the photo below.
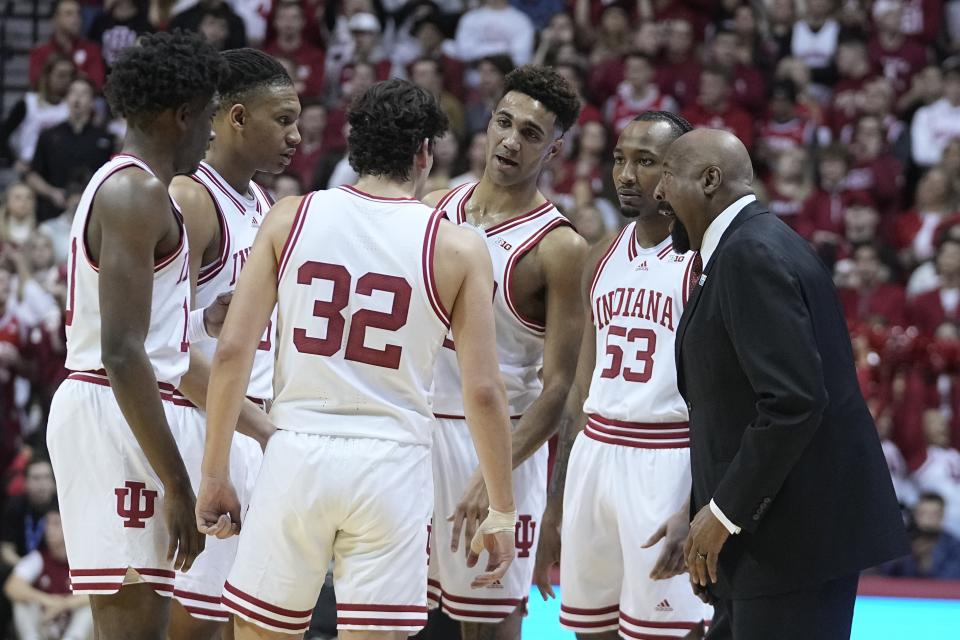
(455, 240)
(190, 195)
(129, 191)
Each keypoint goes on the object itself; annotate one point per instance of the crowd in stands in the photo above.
(850, 108)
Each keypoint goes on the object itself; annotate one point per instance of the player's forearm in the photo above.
(539, 423)
(572, 422)
(225, 397)
(487, 418)
(135, 388)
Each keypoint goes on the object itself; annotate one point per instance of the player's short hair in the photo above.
(545, 85)
(678, 123)
(163, 71)
(388, 124)
(249, 70)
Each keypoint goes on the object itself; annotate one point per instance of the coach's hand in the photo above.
(216, 313)
(186, 543)
(470, 512)
(702, 549)
(673, 531)
(548, 548)
(218, 508)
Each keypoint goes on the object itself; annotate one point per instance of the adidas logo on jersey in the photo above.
(643, 266)
(664, 605)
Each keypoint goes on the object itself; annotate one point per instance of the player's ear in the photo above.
(554, 149)
(422, 158)
(182, 116)
(237, 116)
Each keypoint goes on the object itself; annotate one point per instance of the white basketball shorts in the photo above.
(111, 501)
(616, 497)
(454, 461)
(364, 502)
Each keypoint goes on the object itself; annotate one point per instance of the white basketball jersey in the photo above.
(240, 218)
(166, 344)
(359, 319)
(519, 339)
(637, 298)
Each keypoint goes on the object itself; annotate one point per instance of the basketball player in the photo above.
(363, 309)
(537, 257)
(629, 470)
(125, 494)
(256, 130)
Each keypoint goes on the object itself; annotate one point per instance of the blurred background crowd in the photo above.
(851, 110)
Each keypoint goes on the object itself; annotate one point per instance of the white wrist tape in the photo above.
(495, 522)
(196, 327)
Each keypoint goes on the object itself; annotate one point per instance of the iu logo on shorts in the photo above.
(135, 504)
(523, 536)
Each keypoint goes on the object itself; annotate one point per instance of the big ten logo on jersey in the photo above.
(378, 286)
(135, 503)
(503, 244)
(524, 535)
(678, 257)
(628, 302)
(239, 259)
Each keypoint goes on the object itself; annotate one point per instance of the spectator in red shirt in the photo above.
(915, 232)
(749, 86)
(312, 124)
(921, 20)
(11, 346)
(872, 299)
(354, 81)
(876, 100)
(714, 108)
(824, 209)
(307, 59)
(66, 41)
(854, 69)
(678, 74)
(875, 170)
(897, 56)
(784, 128)
(789, 187)
(429, 34)
(929, 310)
(572, 73)
(636, 94)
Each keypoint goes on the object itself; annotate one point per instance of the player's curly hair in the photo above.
(163, 71)
(388, 123)
(548, 87)
(679, 124)
(249, 70)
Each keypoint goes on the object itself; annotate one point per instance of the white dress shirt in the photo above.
(711, 238)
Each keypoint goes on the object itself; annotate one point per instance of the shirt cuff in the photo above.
(732, 528)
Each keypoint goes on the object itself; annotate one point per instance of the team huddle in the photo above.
(367, 375)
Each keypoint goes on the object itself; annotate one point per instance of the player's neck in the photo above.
(384, 187)
(231, 168)
(492, 203)
(155, 151)
(651, 230)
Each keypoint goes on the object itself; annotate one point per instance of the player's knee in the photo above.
(184, 626)
(135, 612)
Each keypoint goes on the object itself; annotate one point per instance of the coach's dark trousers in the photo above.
(823, 612)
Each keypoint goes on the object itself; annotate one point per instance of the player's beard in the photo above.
(679, 237)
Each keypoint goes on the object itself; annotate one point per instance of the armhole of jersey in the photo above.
(291, 242)
(209, 271)
(521, 251)
(445, 200)
(429, 279)
(603, 262)
(263, 196)
(132, 162)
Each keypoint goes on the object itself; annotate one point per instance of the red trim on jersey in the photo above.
(224, 189)
(167, 391)
(199, 612)
(382, 608)
(633, 443)
(632, 251)
(467, 613)
(266, 606)
(513, 223)
(522, 250)
(604, 260)
(209, 271)
(98, 572)
(653, 624)
(270, 622)
(368, 196)
(462, 204)
(263, 197)
(448, 196)
(651, 426)
(446, 416)
(133, 162)
(593, 624)
(686, 282)
(383, 622)
(506, 602)
(662, 435)
(190, 595)
(663, 252)
(429, 279)
(294, 235)
(615, 608)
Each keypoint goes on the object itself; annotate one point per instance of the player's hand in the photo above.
(670, 562)
(216, 313)
(470, 512)
(701, 592)
(500, 547)
(218, 508)
(548, 548)
(186, 542)
(702, 549)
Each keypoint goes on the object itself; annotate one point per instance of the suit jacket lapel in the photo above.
(751, 210)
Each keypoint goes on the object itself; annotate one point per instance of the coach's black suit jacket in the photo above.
(780, 435)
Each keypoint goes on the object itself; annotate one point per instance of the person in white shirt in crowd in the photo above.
(936, 124)
(940, 472)
(494, 28)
